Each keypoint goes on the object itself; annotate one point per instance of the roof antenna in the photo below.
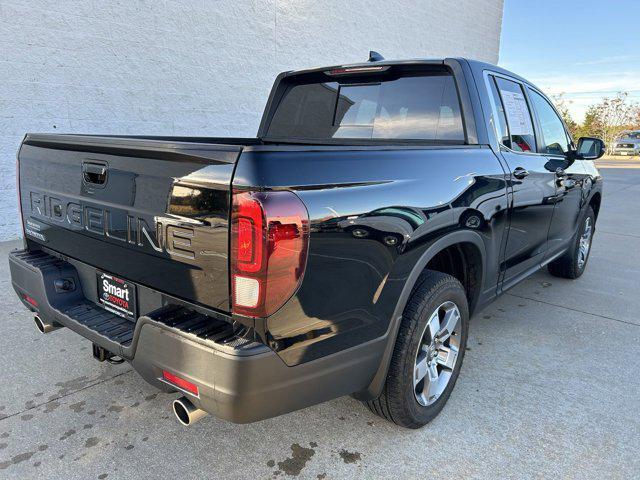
(375, 57)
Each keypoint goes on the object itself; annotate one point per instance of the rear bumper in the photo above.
(239, 380)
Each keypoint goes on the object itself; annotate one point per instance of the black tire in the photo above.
(398, 402)
(569, 265)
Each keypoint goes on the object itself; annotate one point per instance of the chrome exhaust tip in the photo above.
(44, 326)
(186, 412)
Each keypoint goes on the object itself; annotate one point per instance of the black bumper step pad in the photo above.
(35, 272)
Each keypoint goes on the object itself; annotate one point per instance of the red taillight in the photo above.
(269, 242)
(180, 382)
(249, 226)
(30, 300)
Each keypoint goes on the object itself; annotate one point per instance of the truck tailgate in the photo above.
(151, 211)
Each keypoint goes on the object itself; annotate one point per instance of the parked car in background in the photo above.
(341, 251)
(628, 144)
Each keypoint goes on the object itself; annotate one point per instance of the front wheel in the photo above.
(428, 352)
(573, 262)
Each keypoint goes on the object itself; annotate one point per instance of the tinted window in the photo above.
(554, 136)
(422, 107)
(499, 118)
(514, 103)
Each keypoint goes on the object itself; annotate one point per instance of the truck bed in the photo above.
(163, 204)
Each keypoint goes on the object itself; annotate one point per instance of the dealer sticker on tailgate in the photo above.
(117, 295)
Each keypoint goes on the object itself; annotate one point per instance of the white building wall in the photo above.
(197, 67)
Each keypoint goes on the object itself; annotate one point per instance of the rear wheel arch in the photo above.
(460, 239)
(464, 262)
(428, 352)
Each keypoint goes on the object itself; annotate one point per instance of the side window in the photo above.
(514, 103)
(500, 119)
(554, 136)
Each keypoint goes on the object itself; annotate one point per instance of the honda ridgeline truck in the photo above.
(341, 251)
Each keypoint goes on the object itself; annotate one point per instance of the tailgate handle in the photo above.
(94, 173)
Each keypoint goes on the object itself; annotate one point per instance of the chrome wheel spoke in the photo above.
(584, 249)
(431, 383)
(442, 384)
(438, 381)
(449, 323)
(433, 326)
(421, 369)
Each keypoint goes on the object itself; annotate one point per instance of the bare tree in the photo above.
(562, 105)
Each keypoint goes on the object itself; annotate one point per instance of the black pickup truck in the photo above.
(341, 251)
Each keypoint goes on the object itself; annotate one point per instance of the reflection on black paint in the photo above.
(364, 242)
(198, 202)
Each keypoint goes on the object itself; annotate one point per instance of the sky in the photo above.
(585, 49)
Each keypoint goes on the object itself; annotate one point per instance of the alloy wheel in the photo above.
(585, 243)
(437, 353)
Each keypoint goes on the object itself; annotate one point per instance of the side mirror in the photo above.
(590, 148)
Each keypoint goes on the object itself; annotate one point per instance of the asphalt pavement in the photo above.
(550, 388)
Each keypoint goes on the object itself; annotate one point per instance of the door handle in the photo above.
(520, 173)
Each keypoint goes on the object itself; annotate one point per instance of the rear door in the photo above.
(532, 181)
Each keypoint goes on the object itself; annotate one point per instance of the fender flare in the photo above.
(460, 236)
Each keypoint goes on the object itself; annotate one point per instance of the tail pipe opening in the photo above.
(186, 412)
(44, 326)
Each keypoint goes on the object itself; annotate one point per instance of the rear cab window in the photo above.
(421, 106)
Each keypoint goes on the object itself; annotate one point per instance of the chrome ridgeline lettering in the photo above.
(118, 225)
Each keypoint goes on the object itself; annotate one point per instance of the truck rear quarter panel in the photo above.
(374, 214)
